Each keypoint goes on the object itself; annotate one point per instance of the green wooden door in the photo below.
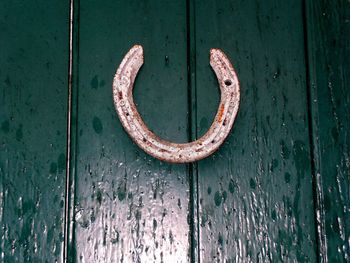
(74, 187)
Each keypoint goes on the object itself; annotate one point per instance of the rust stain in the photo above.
(221, 112)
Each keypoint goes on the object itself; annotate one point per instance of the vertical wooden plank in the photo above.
(130, 207)
(255, 193)
(33, 97)
(329, 72)
(192, 118)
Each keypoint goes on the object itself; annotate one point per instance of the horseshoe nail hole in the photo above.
(228, 82)
(213, 141)
(180, 156)
(127, 114)
(144, 140)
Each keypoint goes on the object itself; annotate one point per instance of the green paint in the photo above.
(5, 126)
(270, 137)
(231, 186)
(287, 177)
(224, 196)
(19, 133)
(301, 157)
(97, 125)
(274, 165)
(61, 163)
(265, 163)
(33, 124)
(285, 151)
(102, 83)
(121, 193)
(204, 218)
(53, 168)
(138, 215)
(252, 183)
(94, 82)
(99, 197)
(217, 198)
(209, 190)
(130, 195)
(155, 224)
(274, 215)
(204, 125)
(221, 240)
(135, 188)
(8, 81)
(28, 206)
(329, 72)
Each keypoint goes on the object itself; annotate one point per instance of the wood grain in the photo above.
(130, 207)
(33, 96)
(328, 37)
(255, 193)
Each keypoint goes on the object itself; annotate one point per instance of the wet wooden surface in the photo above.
(328, 38)
(277, 190)
(130, 207)
(33, 111)
(255, 194)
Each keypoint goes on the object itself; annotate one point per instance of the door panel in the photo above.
(33, 110)
(255, 193)
(285, 163)
(130, 207)
(329, 71)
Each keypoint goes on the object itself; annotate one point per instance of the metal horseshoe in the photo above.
(164, 150)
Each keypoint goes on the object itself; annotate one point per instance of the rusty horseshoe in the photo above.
(164, 150)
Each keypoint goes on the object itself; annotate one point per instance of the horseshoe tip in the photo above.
(215, 51)
(138, 48)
